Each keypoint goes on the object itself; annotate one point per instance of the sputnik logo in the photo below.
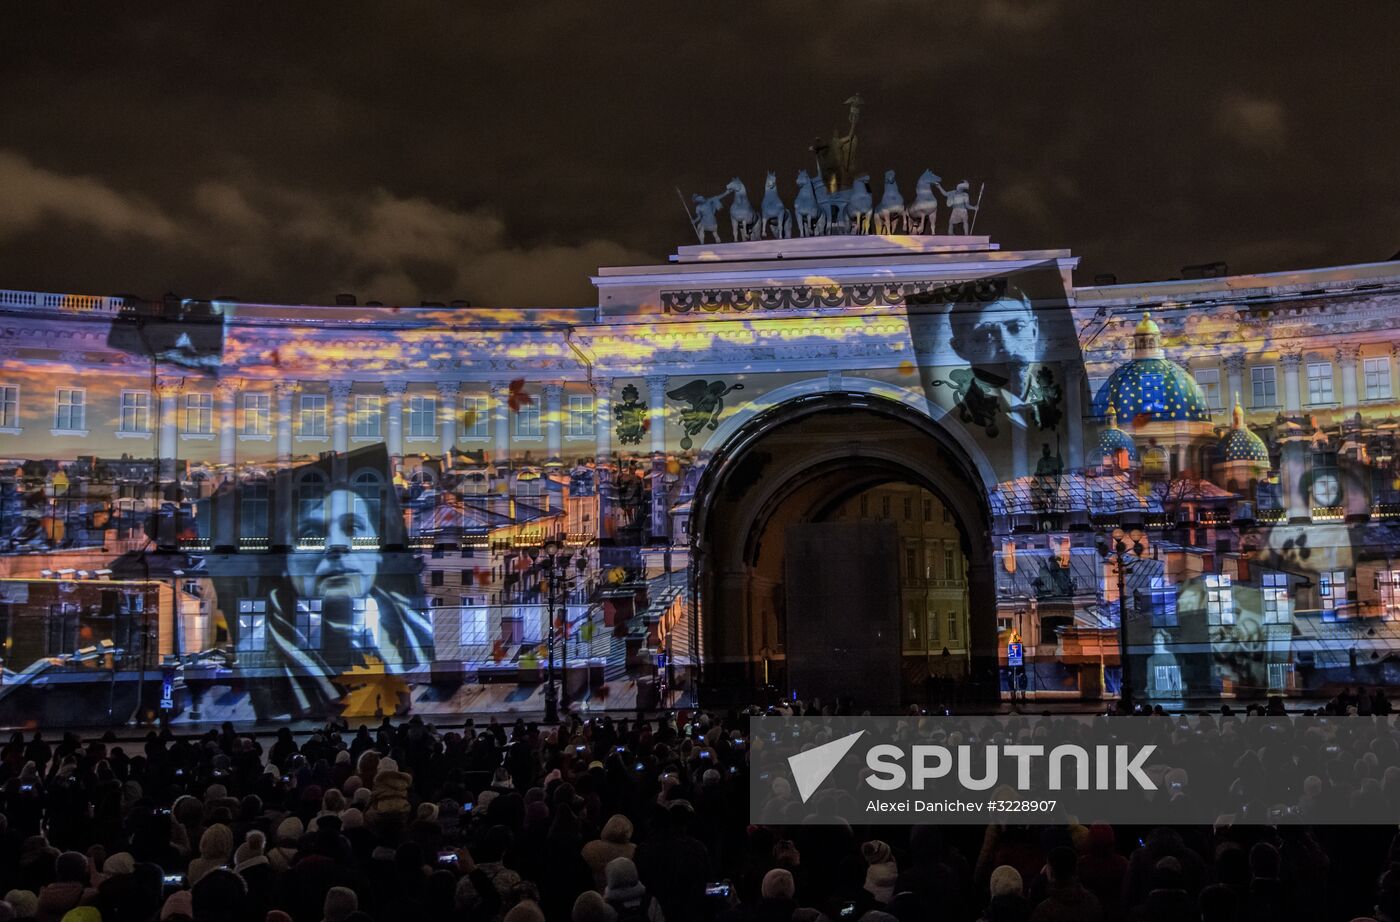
(811, 768)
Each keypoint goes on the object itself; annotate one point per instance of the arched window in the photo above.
(421, 482)
(369, 486)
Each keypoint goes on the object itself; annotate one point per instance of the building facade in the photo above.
(354, 505)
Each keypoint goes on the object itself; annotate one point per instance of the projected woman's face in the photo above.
(340, 569)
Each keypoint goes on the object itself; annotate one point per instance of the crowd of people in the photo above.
(600, 820)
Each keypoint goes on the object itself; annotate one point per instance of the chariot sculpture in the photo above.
(834, 199)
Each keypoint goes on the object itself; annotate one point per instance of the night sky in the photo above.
(412, 151)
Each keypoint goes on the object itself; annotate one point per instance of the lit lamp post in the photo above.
(556, 563)
(1123, 549)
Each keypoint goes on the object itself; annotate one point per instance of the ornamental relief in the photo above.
(795, 297)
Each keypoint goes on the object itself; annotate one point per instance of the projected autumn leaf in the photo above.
(518, 398)
(370, 691)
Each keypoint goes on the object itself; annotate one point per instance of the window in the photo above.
(911, 563)
(436, 577)
(368, 487)
(309, 622)
(1332, 593)
(9, 406)
(908, 509)
(952, 627)
(1280, 675)
(422, 416)
(884, 507)
(1388, 588)
(1163, 602)
(527, 420)
(1377, 372)
(69, 412)
(252, 625)
(253, 506)
(199, 414)
(366, 416)
(580, 416)
(928, 510)
(257, 414)
(948, 565)
(1320, 382)
(1209, 381)
(1265, 386)
(864, 506)
(365, 635)
(135, 412)
(1274, 587)
(473, 627)
(1220, 599)
(476, 417)
(1166, 678)
(311, 495)
(313, 416)
(932, 626)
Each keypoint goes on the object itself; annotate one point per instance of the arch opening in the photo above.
(834, 537)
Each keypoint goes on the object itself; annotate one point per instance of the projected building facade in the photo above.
(348, 510)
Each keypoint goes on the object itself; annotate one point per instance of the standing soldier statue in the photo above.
(959, 203)
(706, 217)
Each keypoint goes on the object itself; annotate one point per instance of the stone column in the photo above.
(1347, 357)
(656, 412)
(553, 421)
(281, 524)
(447, 418)
(602, 419)
(340, 444)
(227, 393)
(1074, 414)
(224, 502)
(500, 414)
(1234, 372)
(1292, 392)
(393, 423)
(286, 391)
(167, 445)
(1019, 461)
(340, 416)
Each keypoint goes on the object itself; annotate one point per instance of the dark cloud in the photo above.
(428, 151)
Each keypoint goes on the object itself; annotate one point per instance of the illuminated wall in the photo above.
(342, 509)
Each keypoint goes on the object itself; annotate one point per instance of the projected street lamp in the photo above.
(1124, 550)
(556, 563)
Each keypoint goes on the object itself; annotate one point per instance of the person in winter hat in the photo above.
(525, 911)
(615, 842)
(252, 852)
(1008, 902)
(591, 907)
(626, 895)
(340, 902)
(219, 896)
(880, 872)
(288, 843)
(69, 889)
(179, 905)
(389, 807)
(24, 902)
(215, 847)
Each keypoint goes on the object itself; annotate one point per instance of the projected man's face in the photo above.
(341, 569)
(1002, 337)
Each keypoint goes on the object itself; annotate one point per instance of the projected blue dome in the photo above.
(1152, 386)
